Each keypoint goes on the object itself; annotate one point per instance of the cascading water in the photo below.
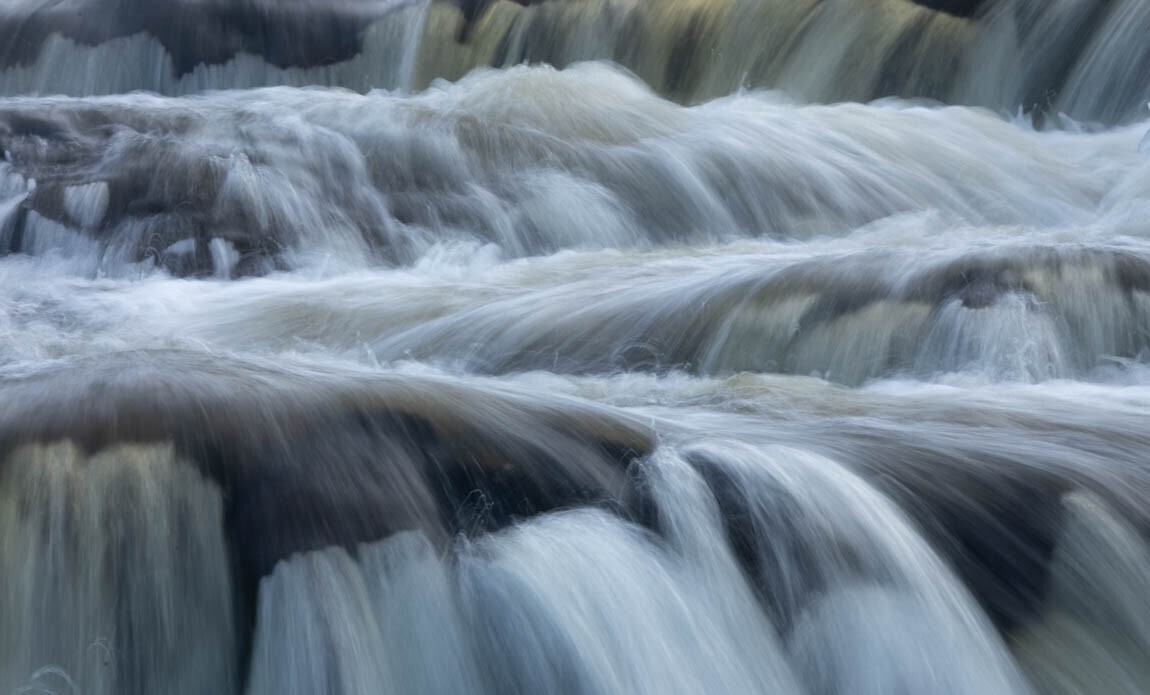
(589, 346)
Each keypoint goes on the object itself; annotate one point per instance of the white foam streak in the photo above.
(534, 161)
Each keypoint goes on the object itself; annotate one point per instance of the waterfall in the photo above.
(574, 346)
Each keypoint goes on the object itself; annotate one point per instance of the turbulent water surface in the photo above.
(582, 346)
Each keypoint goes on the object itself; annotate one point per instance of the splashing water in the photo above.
(590, 346)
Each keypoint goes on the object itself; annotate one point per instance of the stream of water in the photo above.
(587, 346)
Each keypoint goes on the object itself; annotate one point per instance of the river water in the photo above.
(684, 346)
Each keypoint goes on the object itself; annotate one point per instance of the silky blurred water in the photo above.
(679, 363)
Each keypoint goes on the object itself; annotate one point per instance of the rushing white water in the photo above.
(576, 377)
(851, 241)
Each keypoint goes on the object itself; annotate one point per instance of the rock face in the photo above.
(187, 190)
(287, 33)
(395, 454)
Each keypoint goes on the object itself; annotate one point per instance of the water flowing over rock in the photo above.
(580, 346)
(1085, 58)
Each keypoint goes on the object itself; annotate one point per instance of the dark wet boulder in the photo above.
(958, 8)
(305, 464)
(287, 33)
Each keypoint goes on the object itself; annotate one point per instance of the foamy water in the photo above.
(540, 381)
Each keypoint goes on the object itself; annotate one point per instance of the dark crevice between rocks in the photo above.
(958, 8)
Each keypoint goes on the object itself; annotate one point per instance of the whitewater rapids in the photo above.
(541, 381)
